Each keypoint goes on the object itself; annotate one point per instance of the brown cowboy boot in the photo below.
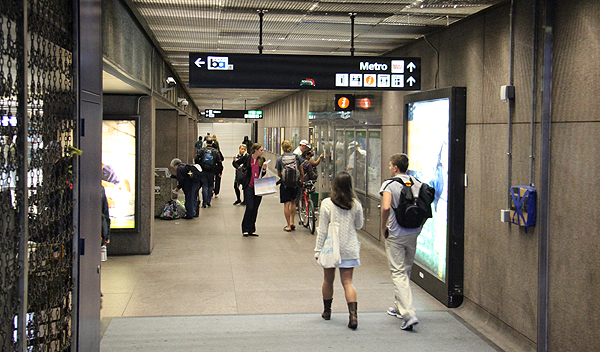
(353, 322)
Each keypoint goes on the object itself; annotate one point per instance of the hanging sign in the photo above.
(269, 71)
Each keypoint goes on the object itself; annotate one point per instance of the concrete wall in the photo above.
(501, 260)
(166, 137)
(290, 112)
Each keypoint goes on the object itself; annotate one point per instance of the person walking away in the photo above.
(211, 161)
(349, 217)
(219, 171)
(247, 142)
(256, 167)
(205, 139)
(190, 187)
(304, 145)
(400, 242)
(236, 184)
(198, 145)
(290, 172)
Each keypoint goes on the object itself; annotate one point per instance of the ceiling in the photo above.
(300, 27)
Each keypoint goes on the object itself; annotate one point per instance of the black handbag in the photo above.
(241, 175)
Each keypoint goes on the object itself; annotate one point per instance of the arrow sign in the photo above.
(199, 62)
(411, 67)
(411, 80)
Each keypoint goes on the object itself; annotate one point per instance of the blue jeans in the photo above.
(191, 198)
(208, 184)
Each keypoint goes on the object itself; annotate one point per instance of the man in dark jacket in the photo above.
(190, 188)
(211, 161)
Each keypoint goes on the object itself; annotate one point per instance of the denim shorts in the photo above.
(349, 263)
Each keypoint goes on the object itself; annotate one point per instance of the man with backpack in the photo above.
(211, 161)
(189, 182)
(410, 201)
(290, 172)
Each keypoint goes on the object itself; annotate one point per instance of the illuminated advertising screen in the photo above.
(119, 171)
(428, 154)
(434, 130)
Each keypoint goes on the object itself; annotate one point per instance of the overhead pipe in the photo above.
(261, 14)
(352, 16)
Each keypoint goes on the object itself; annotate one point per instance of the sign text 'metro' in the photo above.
(254, 71)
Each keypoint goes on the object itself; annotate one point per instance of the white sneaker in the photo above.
(408, 324)
(393, 312)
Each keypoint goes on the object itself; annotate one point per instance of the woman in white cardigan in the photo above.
(349, 216)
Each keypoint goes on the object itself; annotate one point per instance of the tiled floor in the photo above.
(205, 266)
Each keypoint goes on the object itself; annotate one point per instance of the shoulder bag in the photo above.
(330, 253)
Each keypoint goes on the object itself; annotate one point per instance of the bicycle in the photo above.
(306, 208)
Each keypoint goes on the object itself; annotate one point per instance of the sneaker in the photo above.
(393, 312)
(408, 324)
(237, 202)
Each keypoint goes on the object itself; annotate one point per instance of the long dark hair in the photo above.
(342, 193)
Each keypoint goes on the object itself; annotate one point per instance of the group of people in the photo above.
(209, 158)
(342, 206)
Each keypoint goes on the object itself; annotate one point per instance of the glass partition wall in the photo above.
(357, 151)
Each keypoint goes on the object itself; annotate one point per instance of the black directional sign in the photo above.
(254, 71)
(239, 114)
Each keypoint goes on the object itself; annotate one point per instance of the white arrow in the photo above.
(411, 67)
(411, 80)
(199, 62)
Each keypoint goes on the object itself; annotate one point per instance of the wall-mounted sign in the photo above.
(344, 102)
(254, 71)
(233, 114)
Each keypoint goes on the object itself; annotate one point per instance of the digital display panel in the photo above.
(427, 152)
(119, 171)
(434, 140)
(271, 71)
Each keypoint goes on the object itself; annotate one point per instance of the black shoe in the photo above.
(293, 227)
(243, 203)
(237, 202)
(252, 234)
(208, 205)
(204, 206)
(245, 234)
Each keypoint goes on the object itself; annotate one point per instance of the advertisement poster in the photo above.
(118, 171)
(428, 132)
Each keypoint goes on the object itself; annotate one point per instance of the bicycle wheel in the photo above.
(312, 217)
(302, 212)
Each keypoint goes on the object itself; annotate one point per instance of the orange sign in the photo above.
(343, 102)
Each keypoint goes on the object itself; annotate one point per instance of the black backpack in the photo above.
(194, 171)
(412, 211)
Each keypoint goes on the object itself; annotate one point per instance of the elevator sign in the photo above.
(254, 71)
